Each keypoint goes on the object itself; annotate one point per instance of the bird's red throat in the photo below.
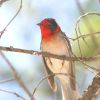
(47, 33)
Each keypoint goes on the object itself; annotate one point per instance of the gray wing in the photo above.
(72, 64)
(51, 78)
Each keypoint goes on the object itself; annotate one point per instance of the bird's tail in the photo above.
(67, 92)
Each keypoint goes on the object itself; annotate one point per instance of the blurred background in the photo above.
(24, 33)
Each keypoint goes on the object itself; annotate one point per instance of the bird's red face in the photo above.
(48, 27)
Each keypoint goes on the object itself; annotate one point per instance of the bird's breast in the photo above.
(57, 45)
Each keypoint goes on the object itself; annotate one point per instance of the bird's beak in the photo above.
(38, 24)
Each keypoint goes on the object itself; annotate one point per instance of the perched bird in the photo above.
(54, 41)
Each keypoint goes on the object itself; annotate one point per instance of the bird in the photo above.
(54, 41)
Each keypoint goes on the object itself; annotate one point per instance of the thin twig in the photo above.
(87, 23)
(78, 40)
(11, 19)
(41, 82)
(14, 93)
(6, 80)
(86, 14)
(17, 78)
(85, 36)
(90, 68)
(51, 75)
(77, 25)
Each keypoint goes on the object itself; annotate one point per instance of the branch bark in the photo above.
(46, 54)
(92, 89)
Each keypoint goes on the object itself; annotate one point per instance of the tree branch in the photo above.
(47, 54)
(92, 89)
(16, 77)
